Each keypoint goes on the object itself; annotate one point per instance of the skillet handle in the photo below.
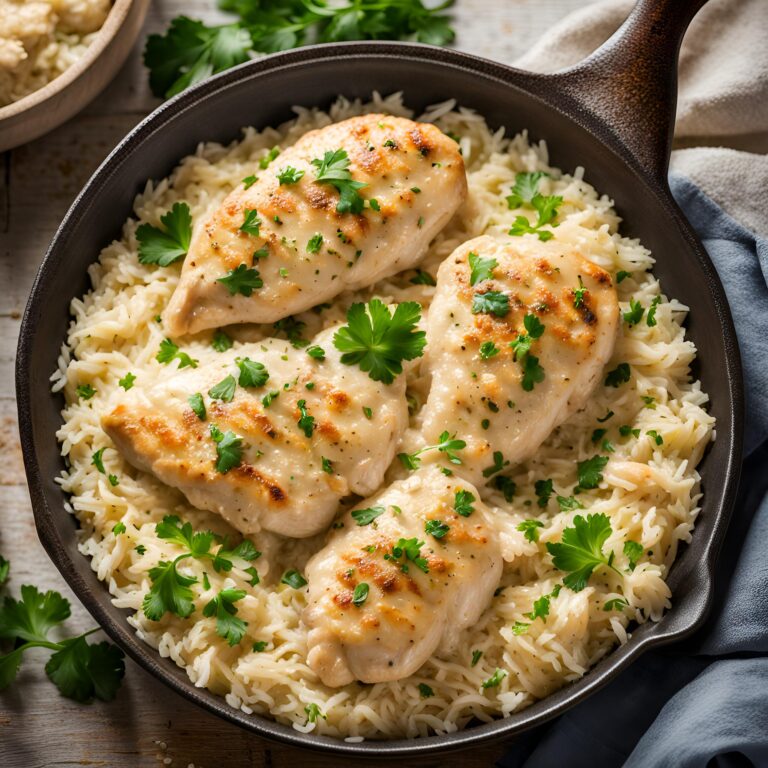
(629, 84)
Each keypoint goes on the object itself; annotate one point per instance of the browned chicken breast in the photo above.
(275, 454)
(517, 338)
(342, 208)
(408, 571)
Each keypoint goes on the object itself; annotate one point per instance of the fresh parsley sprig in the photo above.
(165, 246)
(448, 445)
(525, 193)
(580, 550)
(378, 341)
(81, 671)
(333, 169)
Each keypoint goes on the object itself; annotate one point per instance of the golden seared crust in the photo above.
(287, 481)
(411, 610)
(481, 398)
(412, 170)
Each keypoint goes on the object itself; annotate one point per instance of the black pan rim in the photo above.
(146, 656)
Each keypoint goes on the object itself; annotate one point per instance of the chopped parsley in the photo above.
(221, 342)
(581, 550)
(497, 466)
(436, 528)
(618, 376)
(360, 595)
(481, 268)
(490, 303)
(289, 175)
(327, 465)
(543, 489)
(578, 294)
(98, 461)
(259, 646)
(410, 551)
(633, 552)
(615, 604)
(530, 529)
(306, 422)
(506, 485)
(229, 449)
(249, 181)
(118, 528)
(462, 503)
(266, 159)
(197, 405)
(378, 341)
(495, 679)
(252, 373)
(568, 503)
(590, 472)
(294, 579)
(85, 391)
(169, 352)
(266, 401)
(164, 246)
(525, 194)
(651, 318)
(127, 381)
(448, 445)
(476, 656)
(368, 515)
(292, 329)
(224, 390)
(333, 169)
(422, 278)
(313, 712)
(228, 625)
(635, 313)
(425, 691)
(315, 243)
(488, 350)
(251, 222)
(622, 275)
(316, 352)
(243, 280)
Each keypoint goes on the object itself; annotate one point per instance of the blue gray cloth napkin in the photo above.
(703, 702)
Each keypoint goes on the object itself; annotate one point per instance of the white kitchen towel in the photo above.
(723, 94)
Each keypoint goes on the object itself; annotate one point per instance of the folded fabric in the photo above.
(693, 704)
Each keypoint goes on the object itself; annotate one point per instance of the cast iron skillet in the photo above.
(613, 114)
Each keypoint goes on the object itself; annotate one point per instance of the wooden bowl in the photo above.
(54, 103)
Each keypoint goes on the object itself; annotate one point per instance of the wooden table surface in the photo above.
(147, 725)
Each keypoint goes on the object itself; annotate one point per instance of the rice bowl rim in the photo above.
(61, 544)
(109, 30)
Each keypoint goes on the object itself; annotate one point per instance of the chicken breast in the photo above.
(304, 249)
(306, 438)
(518, 352)
(408, 570)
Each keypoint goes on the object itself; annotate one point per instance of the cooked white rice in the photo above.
(650, 492)
(40, 39)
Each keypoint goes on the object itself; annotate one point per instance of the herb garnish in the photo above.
(169, 352)
(252, 373)
(481, 268)
(223, 608)
(448, 445)
(229, 449)
(333, 169)
(163, 247)
(368, 515)
(243, 280)
(410, 551)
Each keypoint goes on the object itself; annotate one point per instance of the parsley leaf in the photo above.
(615, 604)
(622, 275)
(251, 222)
(581, 549)
(306, 422)
(490, 303)
(633, 552)
(292, 328)
(34, 616)
(169, 352)
(533, 373)
(190, 52)
(5, 568)
(127, 381)
(462, 503)
(488, 350)
(221, 342)
(333, 169)
(422, 278)
(289, 175)
(618, 376)
(425, 691)
(543, 489)
(506, 485)
(569, 503)
(224, 390)
(316, 352)
(165, 246)
(448, 445)
(591, 472)
(540, 608)
(360, 595)
(252, 373)
(197, 405)
(578, 294)
(171, 529)
(436, 528)
(476, 656)
(410, 551)
(368, 515)
(223, 608)
(83, 672)
(315, 243)
(530, 529)
(497, 466)
(243, 280)
(170, 592)
(635, 313)
(651, 318)
(481, 268)
(525, 189)
(495, 679)
(229, 449)
(294, 579)
(85, 391)
(313, 712)
(98, 461)
(377, 341)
